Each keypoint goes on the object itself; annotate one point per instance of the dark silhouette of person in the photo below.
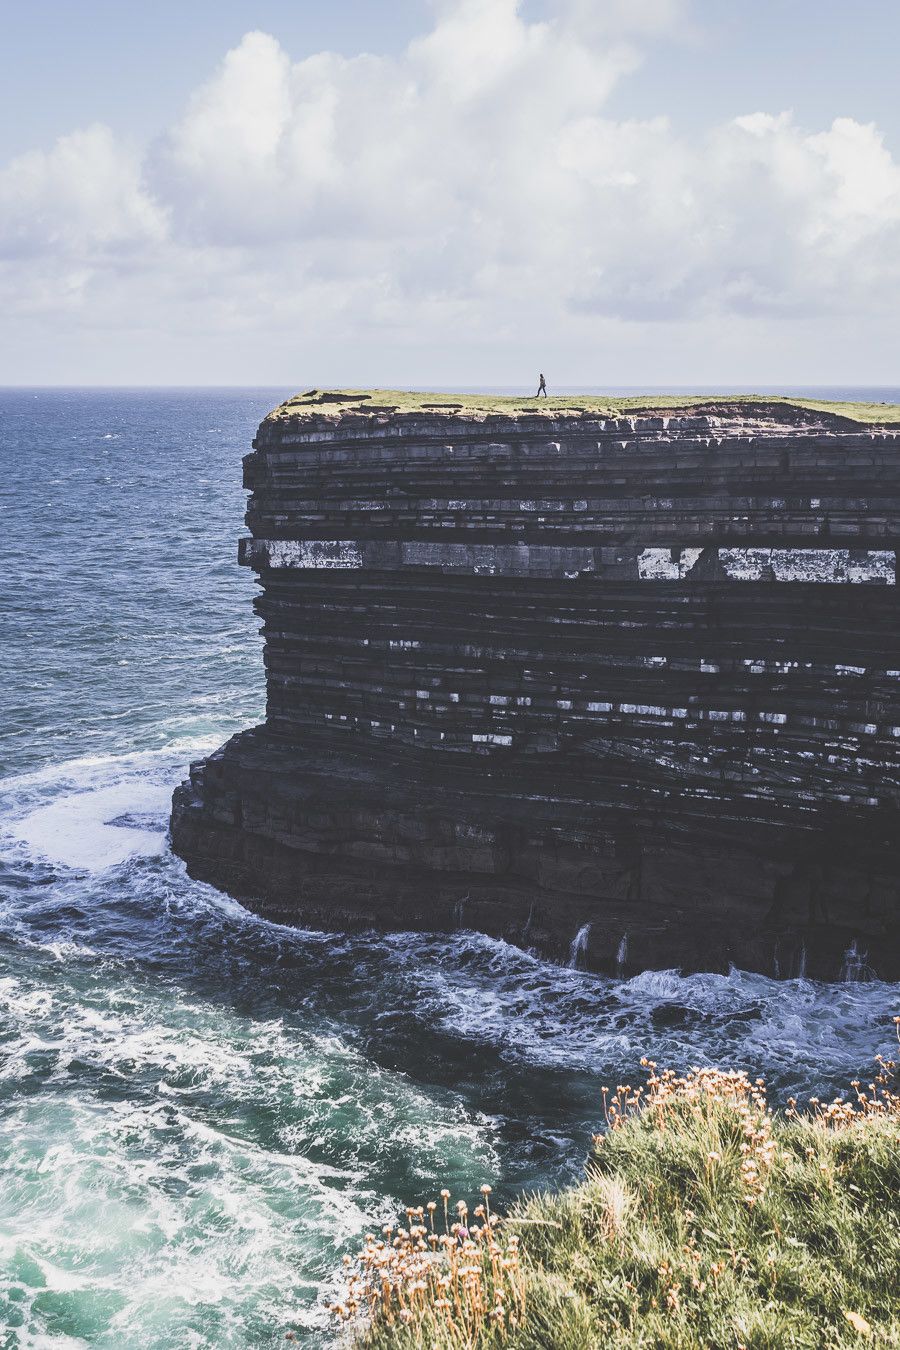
(542, 386)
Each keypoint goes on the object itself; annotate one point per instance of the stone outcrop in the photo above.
(623, 689)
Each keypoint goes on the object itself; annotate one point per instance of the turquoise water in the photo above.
(200, 1111)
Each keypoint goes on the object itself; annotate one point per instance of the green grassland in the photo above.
(704, 1219)
(402, 401)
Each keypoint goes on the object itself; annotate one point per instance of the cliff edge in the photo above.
(617, 684)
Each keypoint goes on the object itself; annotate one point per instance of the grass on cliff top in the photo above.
(393, 400)
(703, 1220)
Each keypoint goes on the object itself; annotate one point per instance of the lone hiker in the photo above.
(542, 386)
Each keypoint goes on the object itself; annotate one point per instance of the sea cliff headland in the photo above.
(619, 683)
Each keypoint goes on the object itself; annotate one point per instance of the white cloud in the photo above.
(85, 195)
(470, 186)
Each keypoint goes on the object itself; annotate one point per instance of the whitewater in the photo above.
(202, 1111)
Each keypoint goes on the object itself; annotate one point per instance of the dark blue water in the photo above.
(201, 1111)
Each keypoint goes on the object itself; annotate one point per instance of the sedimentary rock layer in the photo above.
(621, 689)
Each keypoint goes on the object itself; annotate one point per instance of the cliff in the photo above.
(623, 688)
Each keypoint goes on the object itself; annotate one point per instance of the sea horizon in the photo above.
(842, 392)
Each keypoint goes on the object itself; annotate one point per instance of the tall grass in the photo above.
(704, 1219)
(462, 1278)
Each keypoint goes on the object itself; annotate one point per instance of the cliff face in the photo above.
(621, 689)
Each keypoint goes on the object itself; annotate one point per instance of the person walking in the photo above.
(542, 386)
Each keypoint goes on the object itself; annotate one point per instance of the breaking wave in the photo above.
(203, 1108)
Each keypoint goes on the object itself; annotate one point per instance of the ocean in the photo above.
(201, 1111)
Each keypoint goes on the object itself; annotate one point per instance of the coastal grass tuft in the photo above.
(704, 1219)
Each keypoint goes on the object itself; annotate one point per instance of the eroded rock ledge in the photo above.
(623, 689)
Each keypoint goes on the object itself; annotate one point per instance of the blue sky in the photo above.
(618, 191)
(130, 65)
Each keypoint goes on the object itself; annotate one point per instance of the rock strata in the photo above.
(621, 689)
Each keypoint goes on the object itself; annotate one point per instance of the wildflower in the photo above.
(858, 1322)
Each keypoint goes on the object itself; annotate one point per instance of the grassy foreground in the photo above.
(703, 1220)
(406, 401)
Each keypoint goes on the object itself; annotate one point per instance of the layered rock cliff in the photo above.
(623, 689)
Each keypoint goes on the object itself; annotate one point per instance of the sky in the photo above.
(450, 192)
